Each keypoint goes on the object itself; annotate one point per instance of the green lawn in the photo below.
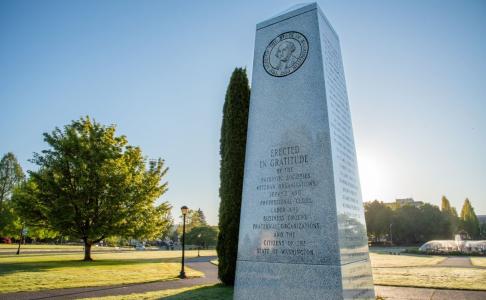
(403, 260)
(419, 271)
(30, 247)
(442, 277)
(12, 248)
(387, 250)
(200, 292)
(479, 261)
(52, 271)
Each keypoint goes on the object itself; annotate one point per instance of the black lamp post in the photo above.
(184, 210)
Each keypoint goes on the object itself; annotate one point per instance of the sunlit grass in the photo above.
(27, 248)
(479, 261)
(200, 292)
(51, 271)
(421, 271)
(403, 260)
(439, 277)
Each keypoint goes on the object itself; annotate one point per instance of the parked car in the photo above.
(5, 240)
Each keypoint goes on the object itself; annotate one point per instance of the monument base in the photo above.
(303, 281)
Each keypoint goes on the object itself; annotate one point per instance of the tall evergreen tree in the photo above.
(445, 205)
(233, 146)
(450, 213)
(198, 218)
(469, 220)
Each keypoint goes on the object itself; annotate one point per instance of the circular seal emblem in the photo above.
(285, 54)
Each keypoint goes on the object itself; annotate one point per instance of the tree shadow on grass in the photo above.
(214, 292)
(14, 267)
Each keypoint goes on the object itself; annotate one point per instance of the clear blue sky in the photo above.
(415, 70)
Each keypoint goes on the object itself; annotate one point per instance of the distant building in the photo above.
(482, 219)
(408, 201)
(403, 202)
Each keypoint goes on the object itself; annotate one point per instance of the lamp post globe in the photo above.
(184, 210)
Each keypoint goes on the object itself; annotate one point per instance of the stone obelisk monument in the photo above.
(302, 231)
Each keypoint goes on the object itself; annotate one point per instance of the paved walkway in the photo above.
(457, 262)
(201, 264)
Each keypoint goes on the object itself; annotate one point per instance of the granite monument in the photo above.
(302, 229)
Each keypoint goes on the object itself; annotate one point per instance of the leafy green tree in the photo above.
(406, 225)
(202, 236)
(378, 218)
(167, 230)
(41, 233)
(113, 241)
(469, 220)
(10, 223)
(11, 175)
(482, 229)
(198, 218)
(194, 218)
(432, 224)
(91, 184)
(451, 214)
(416, 225)
(454, 212)
(232, 150)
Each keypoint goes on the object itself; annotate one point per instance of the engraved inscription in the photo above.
(286, 207)
(353, 243)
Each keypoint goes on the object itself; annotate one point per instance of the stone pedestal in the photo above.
(302, 230)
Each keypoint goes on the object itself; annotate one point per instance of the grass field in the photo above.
(441, 277)
(51, 271)
(403, 260)
(479, 261)
(421, 271)
(200, 292)
(28, 248)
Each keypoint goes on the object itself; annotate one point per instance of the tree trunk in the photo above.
(20, 240)
(87, 251)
